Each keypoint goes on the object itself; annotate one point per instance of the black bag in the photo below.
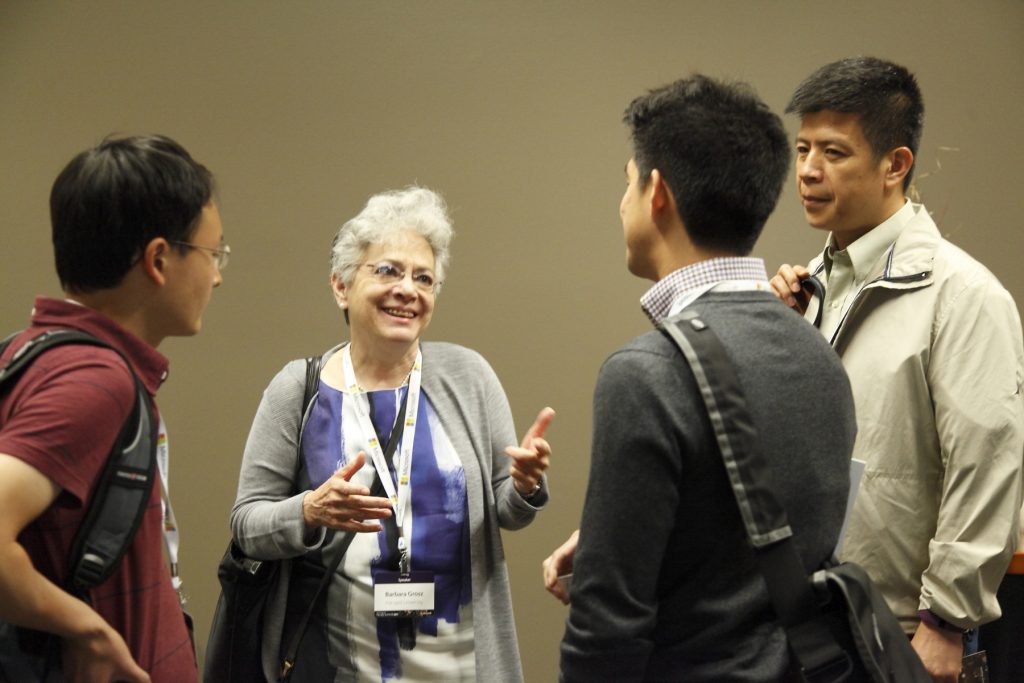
(865, 627)
(234, 649)
(113, 514)
(838, 625)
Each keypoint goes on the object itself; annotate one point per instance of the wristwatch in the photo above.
(531, 494)
(932, 619)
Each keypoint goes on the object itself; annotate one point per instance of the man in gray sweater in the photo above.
(665, 584)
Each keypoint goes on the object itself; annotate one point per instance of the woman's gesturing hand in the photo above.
(340, 504)
(532, 456)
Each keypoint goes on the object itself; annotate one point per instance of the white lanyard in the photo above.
(171, 539)
(399, 497)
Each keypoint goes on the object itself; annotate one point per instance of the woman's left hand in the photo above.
(532, 456)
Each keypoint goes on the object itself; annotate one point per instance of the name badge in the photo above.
(404, 595)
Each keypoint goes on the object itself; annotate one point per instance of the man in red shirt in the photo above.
(139, 248)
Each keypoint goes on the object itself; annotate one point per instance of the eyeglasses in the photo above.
(388, 273)
(220, 254)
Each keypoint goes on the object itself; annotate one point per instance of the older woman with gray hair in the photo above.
(407, 466)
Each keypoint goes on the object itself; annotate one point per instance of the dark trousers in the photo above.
(1003, 639)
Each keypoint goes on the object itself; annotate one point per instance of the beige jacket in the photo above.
(1020, 544)
(933, 348)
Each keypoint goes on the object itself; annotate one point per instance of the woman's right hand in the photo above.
(340, 504)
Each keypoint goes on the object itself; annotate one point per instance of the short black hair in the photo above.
(111, 200)
(723, 153)
(884, 95)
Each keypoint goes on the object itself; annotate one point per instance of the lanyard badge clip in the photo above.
(404, 564)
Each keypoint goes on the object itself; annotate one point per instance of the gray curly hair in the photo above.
(414, 208)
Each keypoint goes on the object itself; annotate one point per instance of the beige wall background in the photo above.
(512, 111)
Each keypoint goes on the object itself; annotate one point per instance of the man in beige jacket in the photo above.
(932, 344)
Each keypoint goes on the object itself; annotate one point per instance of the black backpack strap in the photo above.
(7, 342)
(28, 351)
(119, 500)
(789, 587)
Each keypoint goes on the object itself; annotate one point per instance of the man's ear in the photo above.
(900, 161)
(154, 260)
(340, 291)
(658, 192)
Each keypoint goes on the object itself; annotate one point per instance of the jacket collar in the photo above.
(909, 260)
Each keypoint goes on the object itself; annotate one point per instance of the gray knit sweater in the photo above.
(469, 400)
(666, 587)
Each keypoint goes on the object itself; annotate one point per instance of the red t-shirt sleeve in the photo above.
(65, 412)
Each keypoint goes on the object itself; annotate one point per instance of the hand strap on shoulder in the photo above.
(764, 518)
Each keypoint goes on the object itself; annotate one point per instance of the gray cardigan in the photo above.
(468, 398)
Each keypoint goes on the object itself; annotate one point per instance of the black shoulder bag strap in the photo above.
(309, 392)
(819, 655)
(119, 501)
(815, 298)
(291, 654)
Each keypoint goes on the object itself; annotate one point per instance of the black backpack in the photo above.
(113, 512)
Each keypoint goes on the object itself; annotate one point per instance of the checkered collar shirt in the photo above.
(658, 300)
